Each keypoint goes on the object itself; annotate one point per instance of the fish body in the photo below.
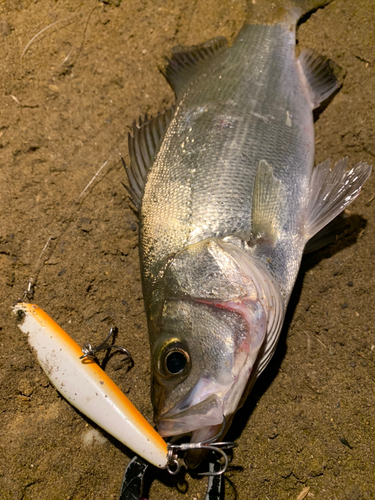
(249, 104)
(228, 198)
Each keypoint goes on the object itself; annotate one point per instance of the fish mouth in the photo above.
(204, 420)
(192, 413)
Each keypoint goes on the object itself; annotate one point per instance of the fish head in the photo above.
(212, 326)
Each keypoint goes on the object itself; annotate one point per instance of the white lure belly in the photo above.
(87, 387)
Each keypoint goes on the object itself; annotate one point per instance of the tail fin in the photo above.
(276, 11)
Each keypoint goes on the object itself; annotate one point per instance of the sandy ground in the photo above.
(67, 102)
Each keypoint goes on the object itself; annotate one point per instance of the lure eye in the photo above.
(176, 361)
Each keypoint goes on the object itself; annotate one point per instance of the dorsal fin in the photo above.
(267, 197)
(144, 145)
(185, 61)
(323, 75)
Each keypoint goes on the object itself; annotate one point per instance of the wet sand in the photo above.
(66, 107)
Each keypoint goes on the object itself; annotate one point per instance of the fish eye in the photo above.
(173, 358)
(176, 361)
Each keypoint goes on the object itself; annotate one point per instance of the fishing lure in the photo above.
(87, 387)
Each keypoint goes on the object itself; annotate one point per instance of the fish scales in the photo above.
(201, 183)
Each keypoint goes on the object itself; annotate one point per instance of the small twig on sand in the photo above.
(23, 105)
(308, 342)
(84, 33)
(69, 20)
(320, 342)
(15, 99)
(369, 201)
(303, 493)
(43, 30)
(92, 180)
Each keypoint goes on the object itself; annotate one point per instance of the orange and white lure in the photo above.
(86, 386)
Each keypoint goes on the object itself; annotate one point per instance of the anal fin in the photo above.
(323, 76)
(267, 200)
(331, 191)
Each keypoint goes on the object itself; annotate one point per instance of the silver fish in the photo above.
(228, 199)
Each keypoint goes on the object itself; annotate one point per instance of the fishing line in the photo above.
(48, 248)
(69, 20)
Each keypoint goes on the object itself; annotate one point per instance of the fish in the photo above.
(228, 201)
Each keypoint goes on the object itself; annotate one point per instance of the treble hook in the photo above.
(174, 465)
(90, 352)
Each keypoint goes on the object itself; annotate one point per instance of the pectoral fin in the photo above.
(331, 191)
(267, 203)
